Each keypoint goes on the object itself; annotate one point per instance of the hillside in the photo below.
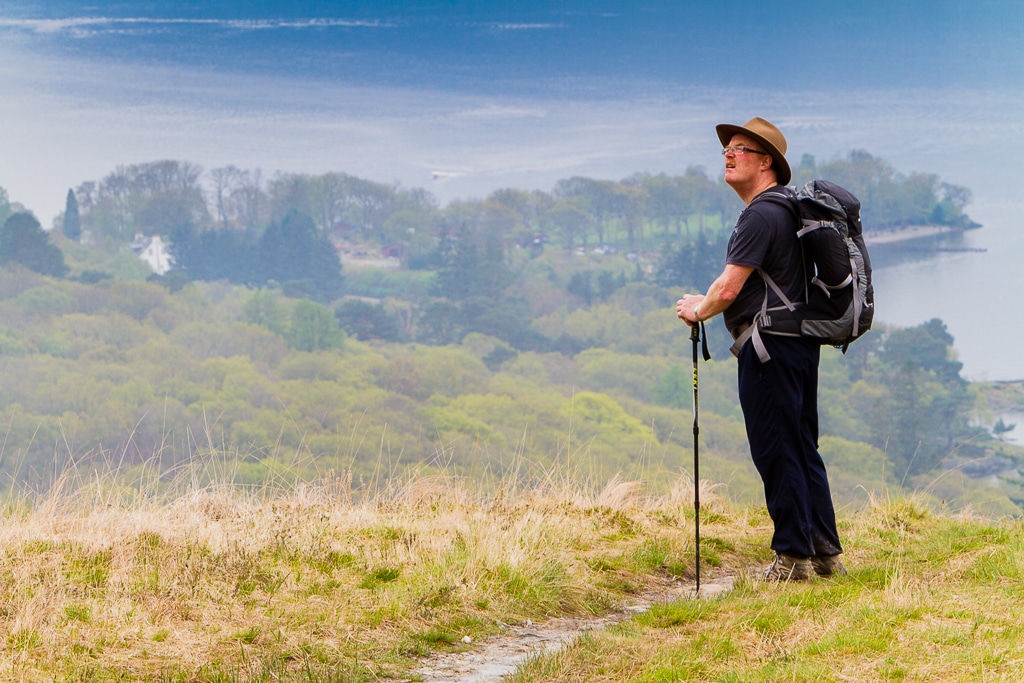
(265, 387)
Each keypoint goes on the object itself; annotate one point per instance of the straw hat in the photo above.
(768, 135)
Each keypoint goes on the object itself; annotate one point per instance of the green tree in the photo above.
(23, 241)
(5, 206)
(928, 400)
(338, 198)
(890, 199)
(439, 322)
(608, 283)
(472, 269)
(211, 255)
(524, 208)
(580, 285)
(701, 196)
(606, 200)
(805, 171)
(663, 199)
(161, 197)
(238, 198)
(263, 308)
(695, 264)
(313, 327)
(950, 209)
(1000, 428)
(569, 218)
(675, 387)
(630, 203)
(409, 224)
(72, 226)
(507, 319)
(927, 347)
(292, 252)
(365, 320)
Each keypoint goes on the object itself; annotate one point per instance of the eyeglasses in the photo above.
(740, 150)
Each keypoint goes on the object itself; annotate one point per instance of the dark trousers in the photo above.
(780, 407)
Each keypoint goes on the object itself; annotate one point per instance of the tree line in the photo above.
(640, 211)
(285, 232)
(232, 224)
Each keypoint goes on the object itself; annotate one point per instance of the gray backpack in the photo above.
(838, 305)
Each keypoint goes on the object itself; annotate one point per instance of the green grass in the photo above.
(927, 598)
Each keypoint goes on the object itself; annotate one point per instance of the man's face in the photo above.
(742, 168)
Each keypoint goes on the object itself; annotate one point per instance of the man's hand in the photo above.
(722, 292)
(685, 306)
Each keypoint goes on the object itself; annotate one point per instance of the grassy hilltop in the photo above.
(101, 583)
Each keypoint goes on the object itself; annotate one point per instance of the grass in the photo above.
(315, 584)
(928, 598)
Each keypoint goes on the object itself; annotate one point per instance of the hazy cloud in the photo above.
(86, 26)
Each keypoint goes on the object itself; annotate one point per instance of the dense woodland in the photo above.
(520, 331)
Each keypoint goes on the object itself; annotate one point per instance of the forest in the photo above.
(487, 339)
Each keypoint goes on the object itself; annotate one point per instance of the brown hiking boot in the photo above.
(789, 568)
(828, 565)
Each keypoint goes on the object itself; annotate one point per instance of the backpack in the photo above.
(839, 300)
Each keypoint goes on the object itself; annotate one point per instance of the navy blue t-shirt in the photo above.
(764, 239)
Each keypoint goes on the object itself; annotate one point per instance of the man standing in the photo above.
(779, 397)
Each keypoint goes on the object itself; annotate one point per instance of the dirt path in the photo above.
(488, 661)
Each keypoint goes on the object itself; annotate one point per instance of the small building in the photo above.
(154, 252)
(392, 251)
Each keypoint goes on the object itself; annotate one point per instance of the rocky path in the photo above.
(488, 661)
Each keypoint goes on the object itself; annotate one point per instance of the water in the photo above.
(976, 293)
(524, 94)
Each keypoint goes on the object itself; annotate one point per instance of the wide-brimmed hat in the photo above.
(768, 135)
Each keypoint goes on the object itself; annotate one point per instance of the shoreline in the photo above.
(912, 232)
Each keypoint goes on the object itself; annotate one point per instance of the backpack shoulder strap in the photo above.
(782, 197)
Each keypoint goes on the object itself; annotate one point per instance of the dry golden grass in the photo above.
(316, 583)
(327, 582)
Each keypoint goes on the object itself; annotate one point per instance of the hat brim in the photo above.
(782, 171)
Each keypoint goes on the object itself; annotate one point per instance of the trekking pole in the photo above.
(697, 335)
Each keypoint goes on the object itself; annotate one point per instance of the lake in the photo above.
(976, 293)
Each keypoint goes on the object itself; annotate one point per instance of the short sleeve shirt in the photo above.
(764, 239)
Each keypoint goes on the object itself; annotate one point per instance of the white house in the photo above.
(153, 251)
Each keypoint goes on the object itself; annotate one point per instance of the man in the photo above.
(779, 397)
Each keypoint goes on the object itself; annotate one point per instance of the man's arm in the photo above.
(722, 292)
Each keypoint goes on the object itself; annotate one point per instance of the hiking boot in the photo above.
(828, 565)
(789, 568)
